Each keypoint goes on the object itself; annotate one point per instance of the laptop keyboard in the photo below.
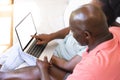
(36, 50)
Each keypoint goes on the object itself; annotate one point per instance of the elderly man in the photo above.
(101, 60)
(69, 49)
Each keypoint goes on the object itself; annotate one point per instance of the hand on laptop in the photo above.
(42, 38)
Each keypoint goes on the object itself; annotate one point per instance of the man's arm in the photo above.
(43, 68)
(66, 65)
(45, 38)
(60, 34)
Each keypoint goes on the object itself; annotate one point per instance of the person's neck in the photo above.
(100, 40)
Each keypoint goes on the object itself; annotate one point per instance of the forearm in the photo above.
(45, 74)
(61, 63)
(43, 68)
(73, 62)
(26, 73)
(60, 34)
(66, 65)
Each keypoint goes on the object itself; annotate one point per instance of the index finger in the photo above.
(35, 36)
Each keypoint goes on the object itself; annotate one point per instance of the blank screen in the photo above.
(25, 29)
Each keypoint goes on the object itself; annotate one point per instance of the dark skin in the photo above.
(28, 73)
(92, 34)
(45, 38)
(63, 66)
(84, 31)
(33, 73)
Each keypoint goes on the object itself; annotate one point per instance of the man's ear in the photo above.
(87, 34)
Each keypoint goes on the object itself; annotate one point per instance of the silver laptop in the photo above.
(24, 30)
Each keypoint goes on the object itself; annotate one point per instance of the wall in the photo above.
(48, 14)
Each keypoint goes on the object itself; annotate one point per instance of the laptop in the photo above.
(24, 30)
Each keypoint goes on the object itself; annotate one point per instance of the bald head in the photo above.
(89, 25)
(89, 18)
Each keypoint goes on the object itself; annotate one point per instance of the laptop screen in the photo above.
(25, 29)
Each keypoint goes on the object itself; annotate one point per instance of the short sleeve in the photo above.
(85, 70)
